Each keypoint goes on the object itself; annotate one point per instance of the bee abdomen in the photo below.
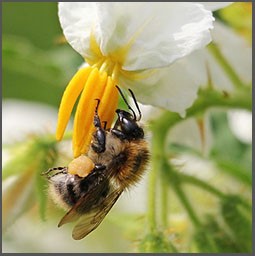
(70, 192)
(71, 197)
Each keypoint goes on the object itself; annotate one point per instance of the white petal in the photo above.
(213, 6)
(240, 122)
(188, 133)
(161, 32)
(149, 112)
(235, 50)
(195, 166)
(172, 88)
(206, 69)
(77, 19)
(203, 65)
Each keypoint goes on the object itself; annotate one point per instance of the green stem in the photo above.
(235, 170)
(152, 198)
(197, 182)
(157, 142)
(185, 202)
(214, 49)
(164, 201)
(177, 186)
(184, 178)
(207, 98)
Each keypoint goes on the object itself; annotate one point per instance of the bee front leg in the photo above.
(118, 133)
(100, 167)
(98, 144)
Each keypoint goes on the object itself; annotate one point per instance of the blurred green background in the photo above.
(37, 64)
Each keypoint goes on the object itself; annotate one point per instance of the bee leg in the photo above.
(51, 170)
(118, 134)
(98, 145)
(100, 167)
(54, 171)
(105, 124)
(64, 171)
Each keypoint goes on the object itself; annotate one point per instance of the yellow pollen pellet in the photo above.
(81, 166)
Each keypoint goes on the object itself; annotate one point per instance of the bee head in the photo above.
(127, 122)
(128, 125)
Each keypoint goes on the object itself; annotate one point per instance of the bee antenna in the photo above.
(98, 102)
(136, 104)
(122, 95)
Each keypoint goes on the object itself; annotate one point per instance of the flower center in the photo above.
(96, 81)
(111, 64)
(110, 67)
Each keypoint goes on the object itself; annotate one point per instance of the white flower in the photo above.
(155, 33)
(135, 44)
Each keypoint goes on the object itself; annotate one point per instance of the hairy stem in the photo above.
(207, 98)
(164, 201)
(158, 140)
(176, 184)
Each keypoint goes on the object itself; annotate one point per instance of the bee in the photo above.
(116, 159)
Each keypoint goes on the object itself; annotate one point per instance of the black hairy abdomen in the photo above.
(93, 188)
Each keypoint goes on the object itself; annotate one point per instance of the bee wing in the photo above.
(90, 221)
(88, 200)
(70, 216)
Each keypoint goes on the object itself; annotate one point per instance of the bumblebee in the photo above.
(117, 159)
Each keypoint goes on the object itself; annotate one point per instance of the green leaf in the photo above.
(212, 237)
(35, 156)
(47, 155)
(238, 222)
(21, 159)
(156, 242)
(236, 170)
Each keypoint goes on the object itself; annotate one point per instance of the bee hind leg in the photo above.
(54, 171)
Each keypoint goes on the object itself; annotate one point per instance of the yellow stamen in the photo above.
(70, 95)
(106, 111)
(109, 102)
(94, 89)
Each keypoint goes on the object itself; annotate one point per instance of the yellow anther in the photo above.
(94, 89)
(69, 98)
